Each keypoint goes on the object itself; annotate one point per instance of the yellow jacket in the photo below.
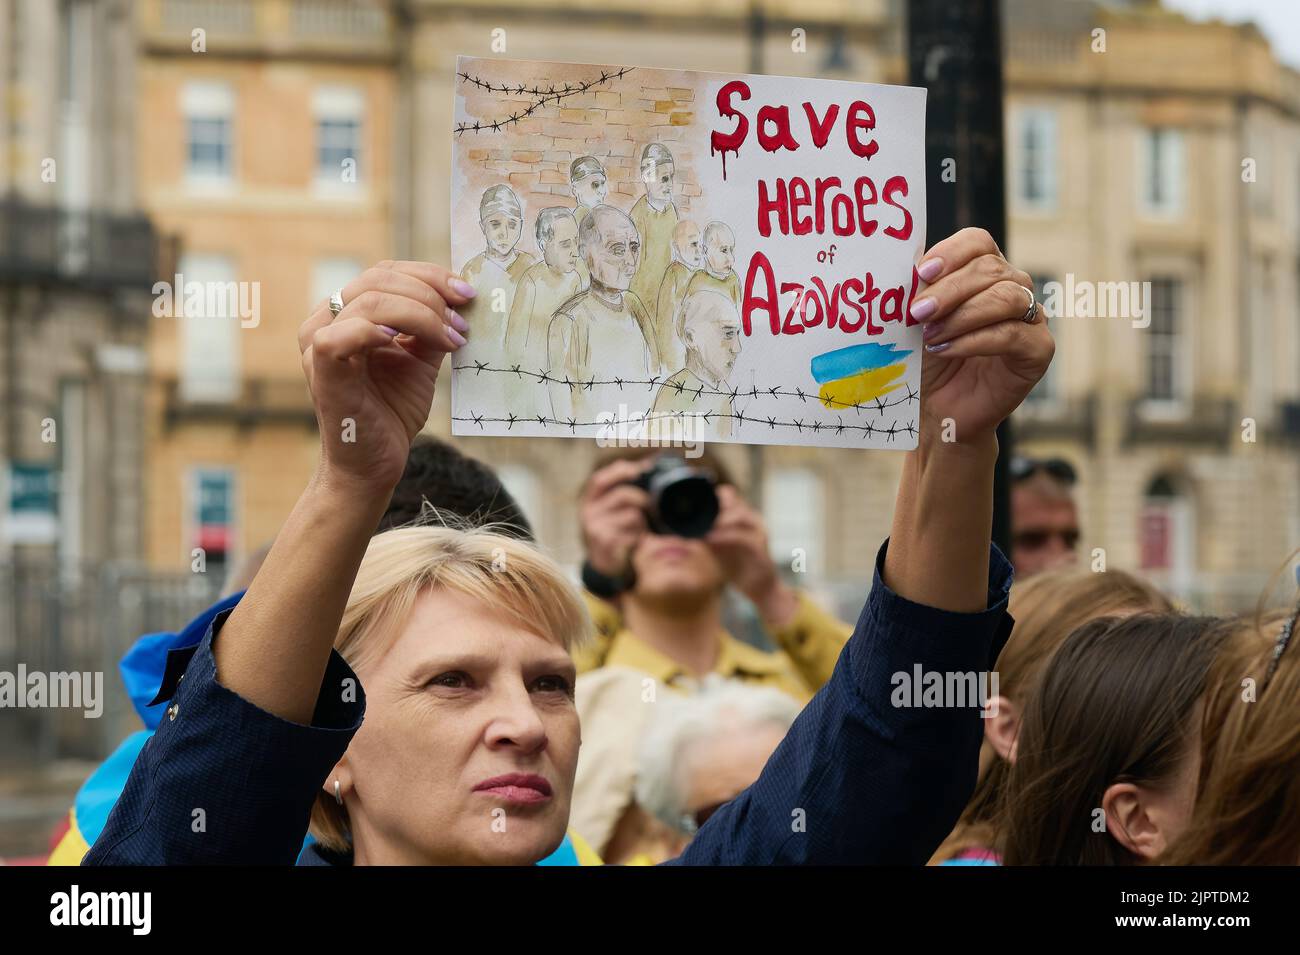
(809, 646)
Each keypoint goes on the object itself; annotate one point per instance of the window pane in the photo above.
(208, 306)
(1163, 340)
(1162, 170)
(1037, 157)
(208, 129)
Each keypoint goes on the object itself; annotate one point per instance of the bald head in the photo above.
(686, 244)
(709, 327)
(611, 247)
(719, 248)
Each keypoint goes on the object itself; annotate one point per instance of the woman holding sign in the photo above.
(461, 640)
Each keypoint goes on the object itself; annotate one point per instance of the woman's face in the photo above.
(469, 745)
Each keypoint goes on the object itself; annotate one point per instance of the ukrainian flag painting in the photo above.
(858, 373)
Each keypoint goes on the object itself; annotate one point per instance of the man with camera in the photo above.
(664, 537)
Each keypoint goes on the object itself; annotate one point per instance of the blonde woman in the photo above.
(461, 641)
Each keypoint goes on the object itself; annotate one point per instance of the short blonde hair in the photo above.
(508, 575)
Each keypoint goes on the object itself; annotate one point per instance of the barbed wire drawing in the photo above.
(553, 92)
(868, 430)
(877, 405)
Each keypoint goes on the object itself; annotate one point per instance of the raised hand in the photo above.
(372, 368)
(981, 359)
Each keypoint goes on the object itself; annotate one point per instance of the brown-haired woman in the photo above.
(1107, 756)
(1047, 608)
(1248, 800)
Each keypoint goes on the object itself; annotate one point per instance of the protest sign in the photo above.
(686, 256)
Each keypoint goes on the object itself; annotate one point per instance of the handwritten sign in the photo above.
(682, 256)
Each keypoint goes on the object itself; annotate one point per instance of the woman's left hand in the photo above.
(981, 359)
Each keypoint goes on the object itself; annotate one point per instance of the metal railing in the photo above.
(82, 619)
(339, 18)
(93, 248)
(259, 401)
(225, 17)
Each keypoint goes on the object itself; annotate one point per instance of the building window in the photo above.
(212, 517)
(1165, 376)
(1035, 150)
(1162, 171)
(327, 275)
(338, 112)
(209, 110)
(208, 306)
(792, 508)
(1167, 542)
(1047, 390)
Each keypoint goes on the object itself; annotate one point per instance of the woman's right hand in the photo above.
(372, 369)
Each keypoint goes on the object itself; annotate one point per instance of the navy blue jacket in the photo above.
(856, 780)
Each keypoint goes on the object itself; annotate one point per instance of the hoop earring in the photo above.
(338, 798)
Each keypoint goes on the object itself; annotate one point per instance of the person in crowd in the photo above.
(659, 632)
(1248, 795)
(1106, 758)
(1047, 609)
(657, 600)
(437, 476)
(701, 751)
(1044, 519)
(441, 477)
(454, 644)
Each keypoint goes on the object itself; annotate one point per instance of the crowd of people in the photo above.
(405, 677)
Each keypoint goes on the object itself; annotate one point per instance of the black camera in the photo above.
(683, 499)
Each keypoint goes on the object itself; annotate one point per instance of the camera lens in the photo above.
(686, 506)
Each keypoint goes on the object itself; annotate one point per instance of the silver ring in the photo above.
(1031, 314)
(336, 302)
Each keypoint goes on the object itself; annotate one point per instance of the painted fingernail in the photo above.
(456, 337)
(931, 330)
(390, 330)
(929, 269)
(463, 287)
(934, 349)
(457, 322)
(923, 308)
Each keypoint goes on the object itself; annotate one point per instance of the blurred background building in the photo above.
(267, 156)
(269, 150)
(1131, 166)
